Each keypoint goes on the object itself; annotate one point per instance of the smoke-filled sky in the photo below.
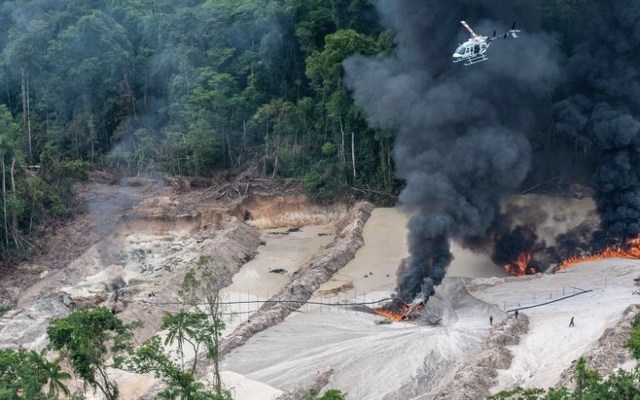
(462, 131)
(600, 105)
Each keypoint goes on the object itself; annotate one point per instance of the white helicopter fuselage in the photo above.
(472, 51)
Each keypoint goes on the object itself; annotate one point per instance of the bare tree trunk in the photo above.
(186, 75)
(26, 108)
(353, 154)
(275, 162)
(266, 150)
(145, 93)
(214, 312)
(29, 119)
(8, 95)
(4, 203)
(130, 96)
(23, 95)
(226, 134)
(14, 216)
(275, 167)
(389, 161)
(342, 152)
(244, 135)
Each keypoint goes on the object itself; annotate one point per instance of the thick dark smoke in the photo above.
(461, 141)
(600, 106)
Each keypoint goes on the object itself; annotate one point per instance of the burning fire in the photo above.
(520, 266)
(630, 250)
(405, 312)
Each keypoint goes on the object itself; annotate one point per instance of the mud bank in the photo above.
(306, 280)
(401, 360)
(136, 270)
(474, 379)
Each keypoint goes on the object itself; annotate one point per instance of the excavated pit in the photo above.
(411, 358)
(144, 238)
(133, 244)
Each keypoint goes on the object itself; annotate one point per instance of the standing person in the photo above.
(571, 324)
(491, 320)
(516, 314)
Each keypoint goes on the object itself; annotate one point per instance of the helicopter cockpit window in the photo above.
(460, 50)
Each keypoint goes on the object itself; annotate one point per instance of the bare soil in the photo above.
(474, 379)
(133, 239)
(610, 351)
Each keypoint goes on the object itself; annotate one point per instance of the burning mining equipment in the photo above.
(418, 310)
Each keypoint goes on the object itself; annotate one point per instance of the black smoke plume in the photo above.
(461, 140)
(599, 105)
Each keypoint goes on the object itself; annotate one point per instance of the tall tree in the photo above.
(88, 338)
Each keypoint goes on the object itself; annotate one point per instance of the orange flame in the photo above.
(405, 312)
(631, 250)
(520, 266)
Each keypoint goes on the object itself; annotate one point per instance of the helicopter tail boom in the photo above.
(513, 32)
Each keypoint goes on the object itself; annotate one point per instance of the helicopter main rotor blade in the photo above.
(464, 23)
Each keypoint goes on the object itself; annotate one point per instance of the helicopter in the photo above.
(474, 50)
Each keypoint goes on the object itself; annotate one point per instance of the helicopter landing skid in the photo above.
(476, 59)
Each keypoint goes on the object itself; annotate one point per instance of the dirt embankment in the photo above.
(610, 351)
(228, 245)
(131, 242)
(474, 379)
(306, 280)
(132, 257)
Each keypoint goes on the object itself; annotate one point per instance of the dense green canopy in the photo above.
(191, 87)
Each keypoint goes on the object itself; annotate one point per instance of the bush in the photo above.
(634, 340)
(324, 182)
(331, 394)
(3, 309)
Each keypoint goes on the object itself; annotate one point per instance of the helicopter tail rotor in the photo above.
(513, 31)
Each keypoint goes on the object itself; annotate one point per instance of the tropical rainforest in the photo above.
(189, 88)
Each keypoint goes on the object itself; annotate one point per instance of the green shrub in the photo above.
(3, 309)
(634, 340)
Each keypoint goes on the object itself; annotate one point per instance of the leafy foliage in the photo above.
(195, 87)
(189, 87)
(27, 374)
(87, 337)
(589, 386)
(30, 200)
(152, 356)
(331, 394)
(198, 329)
(634, 339)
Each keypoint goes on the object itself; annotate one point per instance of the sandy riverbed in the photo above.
(414, 361)
(362, 353)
